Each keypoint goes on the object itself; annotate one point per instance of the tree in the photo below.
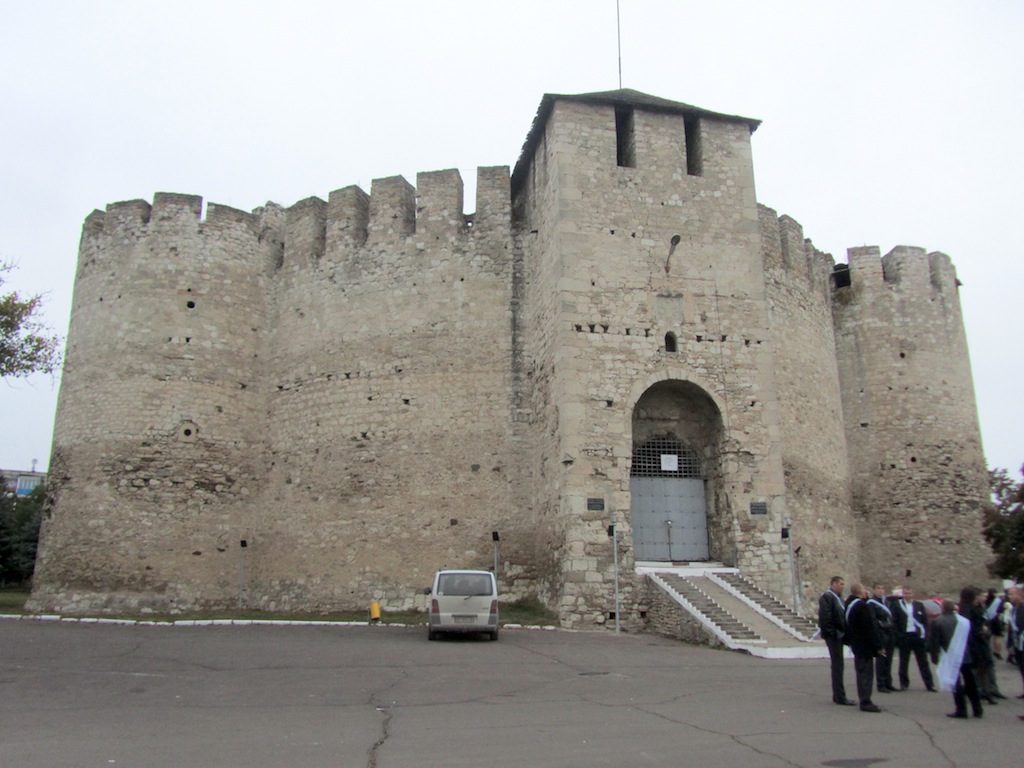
(1004, 525)
(19, 534)
(26, 346)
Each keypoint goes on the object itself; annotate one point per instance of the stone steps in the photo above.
(799, 625)
(709, 608)
(735, 613)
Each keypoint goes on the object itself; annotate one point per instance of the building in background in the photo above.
(22, 483)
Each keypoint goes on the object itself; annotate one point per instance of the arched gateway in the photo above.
(676, 434)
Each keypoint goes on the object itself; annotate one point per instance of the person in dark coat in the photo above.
(911, 628)
(972, 607)
(832, 626)
(866, 644)
(949, 644)
(994, 615)
(886, 628)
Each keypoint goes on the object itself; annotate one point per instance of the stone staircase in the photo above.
(773, 609)
(699, 602)
(735, 613)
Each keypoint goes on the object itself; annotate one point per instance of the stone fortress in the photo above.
(313, 407)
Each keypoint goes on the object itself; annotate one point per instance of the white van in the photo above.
(463, 601)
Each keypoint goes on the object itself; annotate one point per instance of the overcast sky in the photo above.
(884, 123)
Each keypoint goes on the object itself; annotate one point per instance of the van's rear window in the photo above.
(464, 584)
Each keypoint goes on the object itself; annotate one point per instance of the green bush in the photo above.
(19, 535)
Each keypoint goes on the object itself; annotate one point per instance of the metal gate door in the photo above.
(669, 518)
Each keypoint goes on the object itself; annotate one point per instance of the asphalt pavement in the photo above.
(95, 695)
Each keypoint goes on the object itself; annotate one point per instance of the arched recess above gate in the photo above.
(684, 384)
(665, 456)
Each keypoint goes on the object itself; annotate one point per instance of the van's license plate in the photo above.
(464, 619)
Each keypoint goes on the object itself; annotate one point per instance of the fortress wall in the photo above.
(619, 287)
(919, 478)
(389, 429)
(156, 438)
(811, 423)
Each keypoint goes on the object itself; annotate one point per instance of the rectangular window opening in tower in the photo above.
(625, 141)
(694, 148)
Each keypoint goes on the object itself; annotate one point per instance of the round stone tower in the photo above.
(156, 445)
(918, 471)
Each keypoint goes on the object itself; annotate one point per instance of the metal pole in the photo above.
(799, 581)
(495, 537)
(615, 555)
(618, 32)
(241, 573)
(792, 565)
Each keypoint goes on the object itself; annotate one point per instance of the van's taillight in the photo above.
(494, 607)
(436, 609)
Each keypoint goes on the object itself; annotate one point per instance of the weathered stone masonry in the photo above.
(365, 389)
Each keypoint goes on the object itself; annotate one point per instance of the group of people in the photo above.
(959, 642)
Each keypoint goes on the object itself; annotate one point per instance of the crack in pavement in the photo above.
(736, 739)
(374, 700)
(931, 740)
(385, 731)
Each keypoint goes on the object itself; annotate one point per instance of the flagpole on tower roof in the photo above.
(618, 31)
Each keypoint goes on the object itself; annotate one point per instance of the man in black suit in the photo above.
(886, 629)
(911, 636)
(866, 644)
(832, 625)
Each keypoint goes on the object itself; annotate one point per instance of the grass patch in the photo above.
(13, 600)
(527, 611)
(242, 614)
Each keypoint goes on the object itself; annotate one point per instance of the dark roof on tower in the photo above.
(625, 97)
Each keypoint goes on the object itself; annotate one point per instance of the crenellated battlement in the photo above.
(790, 256)
(166, 207)
(224, 216)
(348, 220)
(392, 210)
(171, 206)
(313, 230)
(395, 212)
(439, 205)
(904, 268)
(305, 232)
